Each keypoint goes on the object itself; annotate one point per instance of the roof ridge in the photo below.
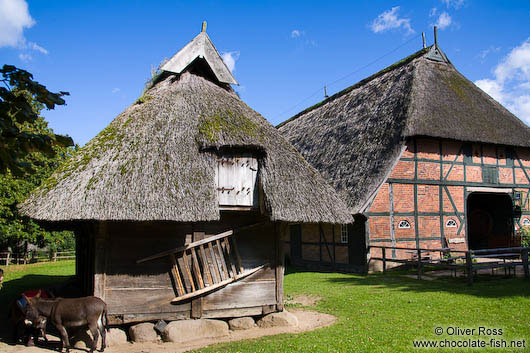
(364, 81)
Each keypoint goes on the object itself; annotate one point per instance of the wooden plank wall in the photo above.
(140, 292)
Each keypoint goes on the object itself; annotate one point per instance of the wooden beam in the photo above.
(186, 247)
(176, 275)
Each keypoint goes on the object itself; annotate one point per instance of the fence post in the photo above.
(419, 264)
(55, 256)
(469, 265)
(7, 258)
(384, 260)
(525, 262)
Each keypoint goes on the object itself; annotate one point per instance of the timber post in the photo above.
(384, 260)
(279, 270)
(419, 264)
(469, 266)
(100, 259)
(524, 255)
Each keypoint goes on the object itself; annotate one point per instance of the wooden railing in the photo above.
(8, 258)
(418, 256)
(470, 261)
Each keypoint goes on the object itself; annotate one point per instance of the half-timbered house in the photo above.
(158, 197)
(423, 157)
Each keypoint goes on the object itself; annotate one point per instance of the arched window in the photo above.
(404, 224)
(451, 223)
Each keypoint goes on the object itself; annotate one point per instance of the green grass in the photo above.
(18, 278)
(379, 313)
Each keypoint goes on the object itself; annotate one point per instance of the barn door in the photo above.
(205, 265)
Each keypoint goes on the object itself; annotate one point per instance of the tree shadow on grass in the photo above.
(64, 286)
(484, 286)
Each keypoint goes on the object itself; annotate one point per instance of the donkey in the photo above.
(71, 312)
(29, 332)
(25, 330)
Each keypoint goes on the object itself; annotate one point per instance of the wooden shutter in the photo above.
(236, 180)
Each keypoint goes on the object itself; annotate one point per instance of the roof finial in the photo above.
(423, 38)
(203, 26)
(325, 92)
(435, 36)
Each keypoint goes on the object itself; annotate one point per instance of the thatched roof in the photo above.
(355, 136)
(157, 161)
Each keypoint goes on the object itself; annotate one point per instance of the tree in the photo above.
(21, 101)
(29, 152)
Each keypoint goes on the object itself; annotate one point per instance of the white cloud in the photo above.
(444, 20)
(390, 20)
(511, 83)
(296, 33)
(25, 57)
(37, 47)
(433, 11)
(516, 65)
(491, 87)
(486, 52)
(14, 18)
(230, 59)
(456, 4)
(115, 90)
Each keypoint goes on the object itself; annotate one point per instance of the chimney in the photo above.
(423, 38)
(436, 36)
(203, 26)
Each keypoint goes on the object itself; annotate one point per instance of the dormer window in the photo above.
(237, 180)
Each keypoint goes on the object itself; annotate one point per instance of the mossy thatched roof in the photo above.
(355, 136)
(157, 161)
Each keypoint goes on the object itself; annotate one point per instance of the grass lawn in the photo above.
(18, 278)
(379, 313)
(374, 313)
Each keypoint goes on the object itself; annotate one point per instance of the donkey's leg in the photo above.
(93, 326)
(64, 337)
(101, 329)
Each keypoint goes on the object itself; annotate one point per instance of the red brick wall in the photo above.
(455, 176)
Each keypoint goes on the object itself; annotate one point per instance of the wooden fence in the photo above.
(8, 258)
(469, 261)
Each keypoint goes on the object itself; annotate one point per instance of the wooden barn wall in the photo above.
(430, 184)
(140, 292)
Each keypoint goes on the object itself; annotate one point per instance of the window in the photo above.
(526, 222)
(344, 234)
(451, 223)
(404, 224)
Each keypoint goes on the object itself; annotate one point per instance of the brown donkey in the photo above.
(71, 312)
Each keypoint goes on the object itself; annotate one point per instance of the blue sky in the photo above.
(282, 53)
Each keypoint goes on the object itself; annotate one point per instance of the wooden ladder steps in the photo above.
(205, 265)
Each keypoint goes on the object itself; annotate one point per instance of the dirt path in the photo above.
(307, 321)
